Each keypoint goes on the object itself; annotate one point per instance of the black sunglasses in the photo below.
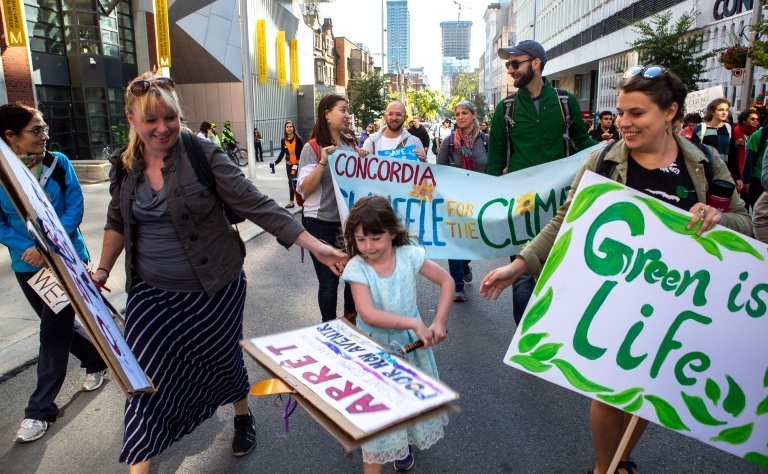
(142, 86)
(650, 72)
(515, 64)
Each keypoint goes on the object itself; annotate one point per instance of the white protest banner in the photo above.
(457, 213)
(47, 287)
(635, 310)
(349, 377)
(45, 227)
(697, 101)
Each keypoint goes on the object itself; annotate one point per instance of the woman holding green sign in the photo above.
(652, 159)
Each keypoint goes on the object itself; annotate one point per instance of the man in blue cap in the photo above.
(530, 127)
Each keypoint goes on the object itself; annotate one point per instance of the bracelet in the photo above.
(102, 268)
(324, 164)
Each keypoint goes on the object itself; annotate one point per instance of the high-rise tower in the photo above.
(398, 35)
(456, 42)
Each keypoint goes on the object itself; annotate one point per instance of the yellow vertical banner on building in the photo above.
(162, 34)
(13, 14)
(261, 51)
(281, 72)
(294, 45)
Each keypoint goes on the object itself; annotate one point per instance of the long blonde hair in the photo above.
(146, 105)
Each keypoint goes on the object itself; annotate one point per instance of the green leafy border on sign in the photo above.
(539, 355)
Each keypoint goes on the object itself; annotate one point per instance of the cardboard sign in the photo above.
(456, 213)
(47, 287)
(57, 249)
(634, 310)
(347, 376)
(697, 101)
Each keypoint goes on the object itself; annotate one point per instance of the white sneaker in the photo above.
(93, 381)
(31, 430)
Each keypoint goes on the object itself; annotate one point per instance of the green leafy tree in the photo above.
(466, 88)
(426, 103)
(366, 97)
(674, 46)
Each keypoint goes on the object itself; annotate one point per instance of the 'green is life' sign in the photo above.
(636, 311)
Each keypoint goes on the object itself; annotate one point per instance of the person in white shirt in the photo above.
(393, 135)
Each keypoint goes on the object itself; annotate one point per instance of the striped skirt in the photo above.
(187, 344)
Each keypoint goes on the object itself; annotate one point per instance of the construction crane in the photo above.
(460, 5)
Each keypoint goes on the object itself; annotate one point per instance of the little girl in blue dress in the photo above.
(382, 274)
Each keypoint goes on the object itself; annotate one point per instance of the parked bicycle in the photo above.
(239, 156)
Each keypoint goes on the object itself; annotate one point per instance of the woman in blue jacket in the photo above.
(26, 133)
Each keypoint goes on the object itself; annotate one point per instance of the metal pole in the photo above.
(245, 57)
(383, 44)
(746, 88)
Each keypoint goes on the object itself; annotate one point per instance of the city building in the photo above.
(587, 43)
(79, 57)
(456, 41)
(398, 36)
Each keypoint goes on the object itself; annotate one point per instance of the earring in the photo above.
(667, 127)
(133, 126)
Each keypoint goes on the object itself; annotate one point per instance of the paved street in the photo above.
(510, 422)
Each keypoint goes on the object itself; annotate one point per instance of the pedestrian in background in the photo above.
(689, 123)
(26, 133)
(320, 215)
(537, 136)
(206, 132)
(365, 134)
(419, 131)
(650, 100)
(605, 130)
(185, 280)
(257, 139)
(747, 124)
(382, 273)
(466, 148)
(290, 145)
(715, 131)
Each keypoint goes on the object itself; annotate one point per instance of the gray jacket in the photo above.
(214, 247)
(373, 142)
(537, 251)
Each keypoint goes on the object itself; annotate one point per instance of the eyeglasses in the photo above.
(650, 72)
(142, 86)
(38, 131)
(515, 64)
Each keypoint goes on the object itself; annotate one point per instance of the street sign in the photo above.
(737, 76)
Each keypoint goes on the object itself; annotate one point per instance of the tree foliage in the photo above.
(466, 88)
(426, 103)
(674, 46)
(366, 99)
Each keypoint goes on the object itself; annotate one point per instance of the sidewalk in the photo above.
(19, 325)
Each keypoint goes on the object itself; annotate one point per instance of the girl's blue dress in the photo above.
(397, 294)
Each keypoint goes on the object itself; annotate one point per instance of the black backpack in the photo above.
(202, 169)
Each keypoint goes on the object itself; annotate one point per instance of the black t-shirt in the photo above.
(421, 133)
(672, 185)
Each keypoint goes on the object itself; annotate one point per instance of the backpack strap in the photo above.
(55, 171)
(605, 168)
(199, 164)
(565, 110)
(509, 122)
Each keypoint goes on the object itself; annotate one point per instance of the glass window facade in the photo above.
(82, 118)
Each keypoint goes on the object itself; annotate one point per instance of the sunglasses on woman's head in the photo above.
(142, 86)
(650, 72)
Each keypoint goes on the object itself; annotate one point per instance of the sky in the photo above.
(360, 22)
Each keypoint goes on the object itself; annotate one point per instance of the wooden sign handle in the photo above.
(623, 444)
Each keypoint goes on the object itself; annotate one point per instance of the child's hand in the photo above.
(438, 332)
(424, 334)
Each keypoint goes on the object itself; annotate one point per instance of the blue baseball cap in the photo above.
(532, 48)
